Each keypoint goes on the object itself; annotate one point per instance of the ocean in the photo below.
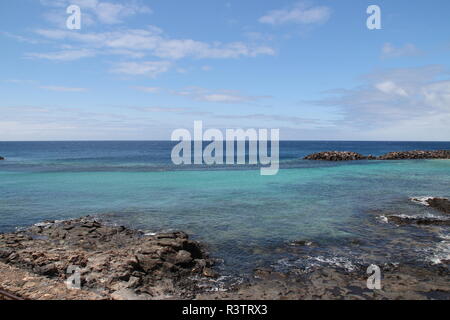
(246, 219)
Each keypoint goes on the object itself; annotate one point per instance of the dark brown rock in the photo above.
(440, 204)
(402, 155)
(425, 221)
(210, 273)
(109, 258)
(183, 258)
(416, 154)
(336, 156)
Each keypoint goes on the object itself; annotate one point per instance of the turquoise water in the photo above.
(245, 218)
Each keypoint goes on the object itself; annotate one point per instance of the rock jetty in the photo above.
(417, 154)
(338, 156)
(404, 155)
(113, 261)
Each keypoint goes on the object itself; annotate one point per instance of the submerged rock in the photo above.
(425, 221)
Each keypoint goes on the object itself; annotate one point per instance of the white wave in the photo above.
(422, 200)
(426, 215)
(313, 262)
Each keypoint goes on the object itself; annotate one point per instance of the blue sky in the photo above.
(137, 70)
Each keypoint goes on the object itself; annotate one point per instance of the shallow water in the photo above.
(245, 218)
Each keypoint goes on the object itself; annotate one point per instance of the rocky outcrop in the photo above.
(113, 261)
(441, 204)
(1, 158)
(421, 221)
(417, 154)
(27, 285)
(404, 155)
(337, 156)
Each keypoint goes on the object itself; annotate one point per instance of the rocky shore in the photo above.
(404, 155)
(113, 262)
(117, 263)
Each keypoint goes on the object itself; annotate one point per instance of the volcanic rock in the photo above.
(440, 204)
(417, 154)
(112, 261)
(336, 156)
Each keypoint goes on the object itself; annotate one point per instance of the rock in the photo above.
(417, 154)
(48, 270)
(183, 258)
(210, 273)
(127, 294)
(148, 263)
(403, 155)
(1, 158)
(336, 156)
(133, 282)
(5, 253)
(109, 258)
(440, 204)
(301, 243)
(402, 220)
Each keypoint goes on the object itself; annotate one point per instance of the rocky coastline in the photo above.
(113, 262)
(403, 155)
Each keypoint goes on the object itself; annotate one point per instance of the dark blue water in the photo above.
(155, 155)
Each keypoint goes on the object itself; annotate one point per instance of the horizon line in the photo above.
(151, 140)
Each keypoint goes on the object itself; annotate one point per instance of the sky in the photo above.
(137, 70)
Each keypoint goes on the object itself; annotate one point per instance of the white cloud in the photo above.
(437, 94)
(146, 68)
(300, 13)
(63, 55)
(148, 89)
(152, 41)
(390, 51)
(390, 87)
(406, 98)
(95, 10)
(159, 109)
(63, 89)
(218, 96)
(19, 38)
